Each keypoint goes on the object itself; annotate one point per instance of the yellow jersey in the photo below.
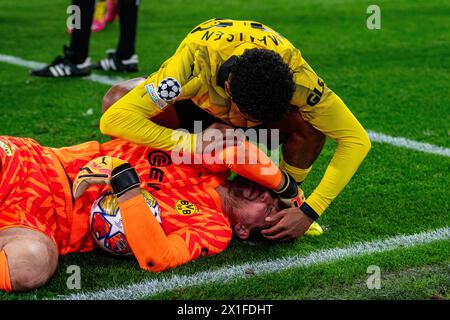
(198, 70)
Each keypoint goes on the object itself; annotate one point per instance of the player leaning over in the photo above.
(246, 74)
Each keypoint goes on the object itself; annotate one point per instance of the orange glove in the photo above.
(117, 173)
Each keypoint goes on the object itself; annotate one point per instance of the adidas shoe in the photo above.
(113, 63)
(63, 67)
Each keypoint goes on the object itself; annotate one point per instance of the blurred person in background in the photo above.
(75, 60)
(106, 11)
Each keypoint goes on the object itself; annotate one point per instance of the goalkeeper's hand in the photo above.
(117, 173)
(290, 193)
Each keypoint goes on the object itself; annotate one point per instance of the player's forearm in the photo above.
(152, 248)
(334, 119)
(135, 127)
(249, 161)
(346, 160)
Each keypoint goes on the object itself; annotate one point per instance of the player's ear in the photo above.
(242, 231)
(227, 86)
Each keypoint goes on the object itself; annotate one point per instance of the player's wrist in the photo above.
(289, 188)
(310, 212)
(124, 178)
(129, 195)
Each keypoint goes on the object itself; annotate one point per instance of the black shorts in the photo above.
(188, 112)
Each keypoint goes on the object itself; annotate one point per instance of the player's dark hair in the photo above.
(262, 84)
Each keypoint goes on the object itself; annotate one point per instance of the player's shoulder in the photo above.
(223, 34)
(123, 149)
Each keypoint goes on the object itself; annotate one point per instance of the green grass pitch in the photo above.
(393, 79)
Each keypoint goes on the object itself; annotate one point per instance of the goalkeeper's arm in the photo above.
(154, 250)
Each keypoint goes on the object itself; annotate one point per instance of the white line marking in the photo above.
(103, 79)
(227, 273)
(374, 136)
(37, 65)
(408, 144)
(21, 62)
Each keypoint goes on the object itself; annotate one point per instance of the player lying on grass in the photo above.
(247, 75)
(43, 214)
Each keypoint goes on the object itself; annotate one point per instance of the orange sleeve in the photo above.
(246, 160)
(5, 280)
(154, 250)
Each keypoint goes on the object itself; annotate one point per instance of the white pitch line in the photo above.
(408, 144)
(374, 136)
(227, 273)
(21, 62)
(38, 65)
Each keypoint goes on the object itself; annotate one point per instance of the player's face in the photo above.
(248, 117)
(253, 203)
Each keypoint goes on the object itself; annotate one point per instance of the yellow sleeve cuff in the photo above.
(316, 203)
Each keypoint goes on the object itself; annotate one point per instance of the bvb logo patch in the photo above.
(185, 207)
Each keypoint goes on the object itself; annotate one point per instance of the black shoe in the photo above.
(64, 67)
(113, 63)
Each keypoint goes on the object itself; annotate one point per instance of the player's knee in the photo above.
(113, 94)
(31, 263)
(311, 140)
(117, 91)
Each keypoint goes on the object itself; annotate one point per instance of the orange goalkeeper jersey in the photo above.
(35, 193)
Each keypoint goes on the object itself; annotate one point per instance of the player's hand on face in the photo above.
(218, 136)
(287, 224)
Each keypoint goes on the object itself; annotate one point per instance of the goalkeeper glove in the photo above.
(290, 193)
(117, 173)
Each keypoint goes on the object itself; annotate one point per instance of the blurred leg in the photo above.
(128, 11)
(118, 90)
(168, 118)
(79, 42)
(75, 61)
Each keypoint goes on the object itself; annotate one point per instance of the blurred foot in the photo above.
(63, 66)
(314, 230)
(98, 25)
(98, 22)
(111, 11)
